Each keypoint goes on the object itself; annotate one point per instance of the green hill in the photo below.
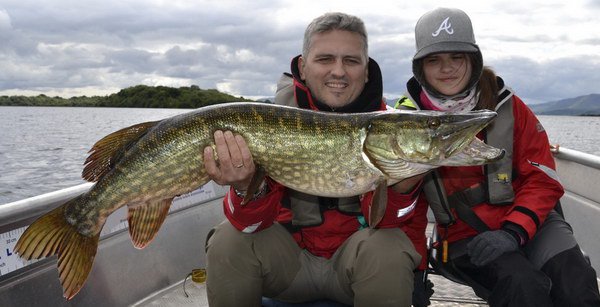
(139, 96)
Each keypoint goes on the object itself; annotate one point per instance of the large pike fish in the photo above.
(327, 154)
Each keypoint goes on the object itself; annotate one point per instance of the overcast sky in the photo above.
(545, 50)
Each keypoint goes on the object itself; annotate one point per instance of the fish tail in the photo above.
(51, 234)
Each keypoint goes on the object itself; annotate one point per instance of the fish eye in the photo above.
(434, 123)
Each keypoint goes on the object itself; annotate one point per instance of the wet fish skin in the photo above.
(425, 140)
(327, 154)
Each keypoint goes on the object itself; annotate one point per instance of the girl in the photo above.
(504, 236)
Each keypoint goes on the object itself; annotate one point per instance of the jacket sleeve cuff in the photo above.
(517, 232)
(257, 214)
(524, 218)
(400, 207)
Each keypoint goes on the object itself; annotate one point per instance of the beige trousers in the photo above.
(374, 267)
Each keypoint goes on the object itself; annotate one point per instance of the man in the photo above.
(296, 247)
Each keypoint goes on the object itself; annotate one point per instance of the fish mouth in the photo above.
(447, 134)
(460, 130)
(409, 142)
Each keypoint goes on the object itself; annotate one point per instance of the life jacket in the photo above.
(306, 214)
(495, 190)
(307, 210)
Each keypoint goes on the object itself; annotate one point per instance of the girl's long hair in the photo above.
(488, 90)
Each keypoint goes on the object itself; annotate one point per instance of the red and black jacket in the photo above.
(336, 226)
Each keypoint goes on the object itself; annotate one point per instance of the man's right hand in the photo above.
(233, 164)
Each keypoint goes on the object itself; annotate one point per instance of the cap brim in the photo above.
(445, 47)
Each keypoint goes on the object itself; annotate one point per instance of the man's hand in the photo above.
(233, 164)
(489, 245)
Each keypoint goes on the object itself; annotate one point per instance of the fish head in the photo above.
(429, 137)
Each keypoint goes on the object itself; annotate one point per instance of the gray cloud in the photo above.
(237, 47)
(205, 46)
(550, 80)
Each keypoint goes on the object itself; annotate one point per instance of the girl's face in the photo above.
(448, 73)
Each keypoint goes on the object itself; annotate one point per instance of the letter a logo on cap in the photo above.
(446, 26)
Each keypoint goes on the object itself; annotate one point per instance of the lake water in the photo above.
(42, 149)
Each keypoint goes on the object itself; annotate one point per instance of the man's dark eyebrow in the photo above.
(324, 55)
(321, 55)
(358, 56)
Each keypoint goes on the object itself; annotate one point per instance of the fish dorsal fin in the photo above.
(108, 150)
(378, 203)
(145, 220)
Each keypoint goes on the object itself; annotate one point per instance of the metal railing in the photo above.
(121, 275)
(35, 206)
(576, 156)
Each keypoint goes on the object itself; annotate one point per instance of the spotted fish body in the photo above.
(327, 154)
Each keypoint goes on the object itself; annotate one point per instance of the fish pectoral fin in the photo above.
(393, 168)
(109, 150)
(52, 234)
(145, 220)
(378, 203)
(257, 179)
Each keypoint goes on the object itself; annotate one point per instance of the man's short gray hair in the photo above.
(335, 21)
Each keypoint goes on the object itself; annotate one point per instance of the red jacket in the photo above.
(323, 240)
(536, 193)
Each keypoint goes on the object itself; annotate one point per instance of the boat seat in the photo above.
(437, 267)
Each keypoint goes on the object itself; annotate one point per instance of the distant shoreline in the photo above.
(193, 97)
(139, 96)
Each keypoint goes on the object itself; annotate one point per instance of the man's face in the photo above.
(335, 69)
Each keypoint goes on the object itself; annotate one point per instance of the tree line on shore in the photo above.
(139, 96)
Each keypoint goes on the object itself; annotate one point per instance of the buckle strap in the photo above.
(462, 201)
(472, 196)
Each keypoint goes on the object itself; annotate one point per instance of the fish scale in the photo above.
(326, 154)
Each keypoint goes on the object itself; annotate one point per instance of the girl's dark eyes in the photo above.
(454, 57)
